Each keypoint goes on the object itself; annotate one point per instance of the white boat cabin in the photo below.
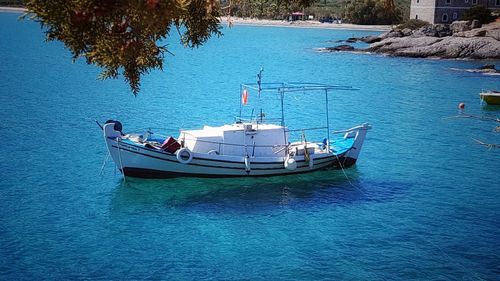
(238, 139)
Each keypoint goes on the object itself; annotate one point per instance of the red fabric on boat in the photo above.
(171, 145)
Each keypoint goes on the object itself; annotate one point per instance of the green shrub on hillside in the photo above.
(337, 8)
(479, 13)
(11, 2)
(413, 24)
(265, 9)
(371, 12)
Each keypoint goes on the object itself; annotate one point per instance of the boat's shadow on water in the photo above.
(490, 108)
(247, 194)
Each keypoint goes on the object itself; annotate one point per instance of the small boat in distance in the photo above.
(490, 97)
(248, 147)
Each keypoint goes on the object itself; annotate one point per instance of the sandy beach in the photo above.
(279, 23)
(302, 24)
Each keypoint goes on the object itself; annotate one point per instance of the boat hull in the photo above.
(491, 99)
(136, 160)
(159, 174)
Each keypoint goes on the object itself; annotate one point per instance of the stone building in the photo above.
(446, 11)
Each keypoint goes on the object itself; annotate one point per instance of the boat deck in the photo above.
(340, 146)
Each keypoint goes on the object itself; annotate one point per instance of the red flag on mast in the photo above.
(244, 97)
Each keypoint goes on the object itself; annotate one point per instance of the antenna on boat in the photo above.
(259, 83)
(259, 80)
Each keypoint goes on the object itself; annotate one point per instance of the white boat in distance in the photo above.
(253, 147)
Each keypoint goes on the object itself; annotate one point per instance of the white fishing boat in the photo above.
(490, 97)
(248, 147)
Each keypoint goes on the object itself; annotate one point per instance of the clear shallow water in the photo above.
(422, 202)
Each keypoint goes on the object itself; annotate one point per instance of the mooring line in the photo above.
(106, 158)
(120, 158)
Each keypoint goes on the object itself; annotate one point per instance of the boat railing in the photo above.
(308, 129)
(149, 130)
(277, 148)
(232, 144)
(256, 119)
(364, 126)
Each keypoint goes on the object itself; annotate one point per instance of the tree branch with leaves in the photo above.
(124, 36)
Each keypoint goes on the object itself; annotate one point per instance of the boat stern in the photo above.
(112, 129)
(112, 134)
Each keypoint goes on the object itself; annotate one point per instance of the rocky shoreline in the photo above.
(459, 40)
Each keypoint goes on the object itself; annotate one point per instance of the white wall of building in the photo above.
(423, 10)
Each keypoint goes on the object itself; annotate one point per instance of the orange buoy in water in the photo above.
(461, 106)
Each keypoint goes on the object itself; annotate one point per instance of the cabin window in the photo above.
(416, 17)
(418, 1)
(448, 1)
(445, 17)
(455, 16)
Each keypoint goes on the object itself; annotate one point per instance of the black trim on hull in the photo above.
(322, 159)
(157, 174)
(348, 162)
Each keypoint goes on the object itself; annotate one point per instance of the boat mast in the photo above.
(259, 84)
(327, 122)
(282, 97)
(241, 100)
(259, 80)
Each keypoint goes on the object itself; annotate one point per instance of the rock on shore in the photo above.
(463, 39)
(447, 47)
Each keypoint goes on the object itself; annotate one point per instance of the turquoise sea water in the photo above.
(423, 202)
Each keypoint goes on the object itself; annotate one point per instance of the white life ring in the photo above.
(184, 155)
(290, 164)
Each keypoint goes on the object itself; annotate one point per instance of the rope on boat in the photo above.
(106, 158)
(307, 157)
(449, 258)
(345, 175)
(490, 146)
(120, 158)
